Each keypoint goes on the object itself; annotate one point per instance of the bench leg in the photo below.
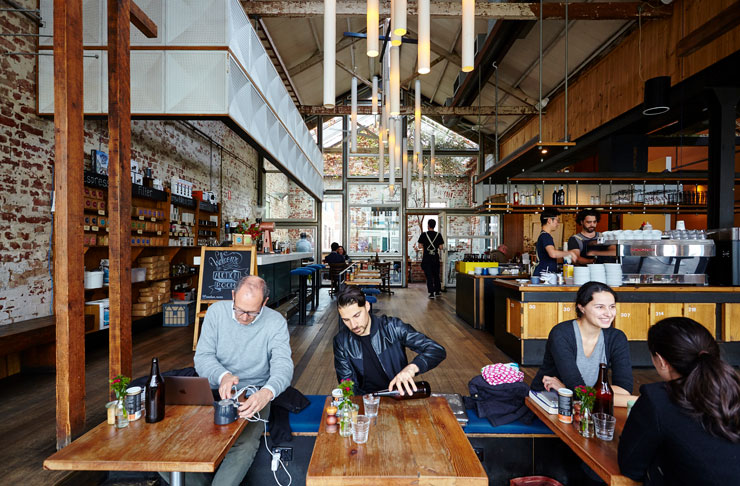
(177, 479)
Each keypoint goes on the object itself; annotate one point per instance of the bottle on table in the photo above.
(604, 393)
(423, 390)
(154, 394)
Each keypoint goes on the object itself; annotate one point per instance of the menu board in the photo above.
(222, 268)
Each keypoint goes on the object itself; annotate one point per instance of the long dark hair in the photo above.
(586, 294)
(709, 388)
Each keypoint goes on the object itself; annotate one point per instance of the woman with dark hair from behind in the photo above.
(684, 430)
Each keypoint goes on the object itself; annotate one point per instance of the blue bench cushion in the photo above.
(370, 291)
(309, 419)
(301, 271)
(478, 425)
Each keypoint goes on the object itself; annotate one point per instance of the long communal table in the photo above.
(412, 442)
(186, 440)
(599, 455)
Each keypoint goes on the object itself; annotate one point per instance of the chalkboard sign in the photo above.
(222, 268)
(220, 271)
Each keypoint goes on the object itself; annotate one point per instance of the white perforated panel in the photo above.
(94, 83)
(155, 11)
(196, 23)
(196, 82)
(46, 84)
(239, 33)
(94, 31)
(147, 81)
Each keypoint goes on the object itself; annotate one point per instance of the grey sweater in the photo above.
(258, 353)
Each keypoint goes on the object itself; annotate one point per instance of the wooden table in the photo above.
(367, 274)
(369, 282)
(186, 440)
(599, 455)
(413, 442)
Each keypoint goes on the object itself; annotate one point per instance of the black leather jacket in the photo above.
(390, 341)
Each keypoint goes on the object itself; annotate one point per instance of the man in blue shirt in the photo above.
(334, 257)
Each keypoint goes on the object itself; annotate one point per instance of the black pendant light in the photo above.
(657, 93)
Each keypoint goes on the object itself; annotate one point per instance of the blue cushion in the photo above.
(477, 425)
(371, 299)
(301, 271)
(370, 291)
(313, 268)
(316, 266)
(308, 419)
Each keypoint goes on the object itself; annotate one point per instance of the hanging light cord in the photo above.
(566, 71)
(539, 105)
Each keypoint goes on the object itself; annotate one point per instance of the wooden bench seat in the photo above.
(33, 336)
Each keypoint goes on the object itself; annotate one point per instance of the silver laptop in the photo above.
(187, 390)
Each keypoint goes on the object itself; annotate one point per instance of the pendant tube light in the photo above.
(431, 159)
(468, 35)
(381, 156)
(397, 144)
(375, 95)
(399, 17)
(405, 162)
(395, 81)
(395, 40)
(392, 153)
(424, 42)
(353, 117)
(373, 19)
(417, 120)
(330, 54)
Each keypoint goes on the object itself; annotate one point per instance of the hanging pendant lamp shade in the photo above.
(399, 17)
(424, 42)
(431, 159)
(395, 81)
(353, 117)
(381, 156)
(468, 35)
(405, 162)
(417, 120)
(375, 95)
(657, 95)
(372, 28)
(397, 145)
(395, 40)
(392, 153)
(330, 36)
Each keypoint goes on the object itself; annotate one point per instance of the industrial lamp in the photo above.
(657, 95)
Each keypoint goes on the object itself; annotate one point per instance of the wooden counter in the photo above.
(470, 297)
(523, 315)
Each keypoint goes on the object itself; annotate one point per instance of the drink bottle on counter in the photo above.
(561, 196)
(604, 393)
(555, 197)
(422, 391)
(154, 394)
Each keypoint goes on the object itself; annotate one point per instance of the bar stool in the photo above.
(318, 268)
(372, 299)
(303, 274)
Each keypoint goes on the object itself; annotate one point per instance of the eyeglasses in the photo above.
(238, 313)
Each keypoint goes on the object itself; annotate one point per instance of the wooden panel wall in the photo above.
(613, 86)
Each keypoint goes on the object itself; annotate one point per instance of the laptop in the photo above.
(188, 390)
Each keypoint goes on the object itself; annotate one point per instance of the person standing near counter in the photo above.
(686, 429)
(500, 254)
(303, 245)
(546, 252)
(579, 243)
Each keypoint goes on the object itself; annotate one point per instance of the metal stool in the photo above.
(303, 274)
(316, 282)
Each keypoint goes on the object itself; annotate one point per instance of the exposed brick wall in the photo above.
(169, 148)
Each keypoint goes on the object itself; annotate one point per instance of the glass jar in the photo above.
(121, 415)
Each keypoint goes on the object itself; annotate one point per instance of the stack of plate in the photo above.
(613, 274)
(581, 275)
(597, 272)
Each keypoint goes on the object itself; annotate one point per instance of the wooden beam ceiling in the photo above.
(450, 9)
(142, 22)
(723, 22)
(425, 110)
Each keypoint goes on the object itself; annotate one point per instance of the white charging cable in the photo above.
(251, 389)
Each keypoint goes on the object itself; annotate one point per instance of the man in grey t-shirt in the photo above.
(243, 342)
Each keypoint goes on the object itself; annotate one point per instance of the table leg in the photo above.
(177, 478)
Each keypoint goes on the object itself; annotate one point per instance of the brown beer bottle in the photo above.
(604, 393)
(154, 394)
(423, 390)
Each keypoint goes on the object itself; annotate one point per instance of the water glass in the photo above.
(371, 405)
(604, 425)
(360, 429)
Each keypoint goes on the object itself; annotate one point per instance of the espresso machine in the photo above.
(724, 269)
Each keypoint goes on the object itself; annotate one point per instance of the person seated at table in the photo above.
(371, 349)
(684, 430)
(242, 343)
(575, 348)
(343, 253)
(334, 256)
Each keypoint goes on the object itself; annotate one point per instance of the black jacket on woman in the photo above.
(662, 444)
(390, 341)
(560, 358)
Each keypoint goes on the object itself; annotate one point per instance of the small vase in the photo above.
(587, 423)
(349, 413)
(121, 415)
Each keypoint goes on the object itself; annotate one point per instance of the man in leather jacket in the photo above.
(371, 350)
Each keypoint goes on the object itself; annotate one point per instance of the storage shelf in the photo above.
(615, 208)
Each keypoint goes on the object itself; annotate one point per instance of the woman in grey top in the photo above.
(575, 348)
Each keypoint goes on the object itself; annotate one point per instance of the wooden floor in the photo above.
(27, 428)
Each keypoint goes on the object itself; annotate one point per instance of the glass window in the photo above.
(373, 194)
(331, 220)
(374, 229)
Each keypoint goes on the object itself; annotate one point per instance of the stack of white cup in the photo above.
(581, 275)
(597, 272)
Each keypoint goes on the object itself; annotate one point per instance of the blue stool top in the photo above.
(371, 299)
(370, 291)
(315, 268)
(301, 271)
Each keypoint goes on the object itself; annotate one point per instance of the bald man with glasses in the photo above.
(243, 342)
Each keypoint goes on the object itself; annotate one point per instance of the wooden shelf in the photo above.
(683, 177)
(604, 208)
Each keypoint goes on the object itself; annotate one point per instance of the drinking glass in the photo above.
(604, 425)
(371, 405)
(360, 429)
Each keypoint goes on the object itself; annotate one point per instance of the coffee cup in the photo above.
(535, 279)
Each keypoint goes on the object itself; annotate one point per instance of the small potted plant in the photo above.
(118, 386)
(587, 396)
(348, 409)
